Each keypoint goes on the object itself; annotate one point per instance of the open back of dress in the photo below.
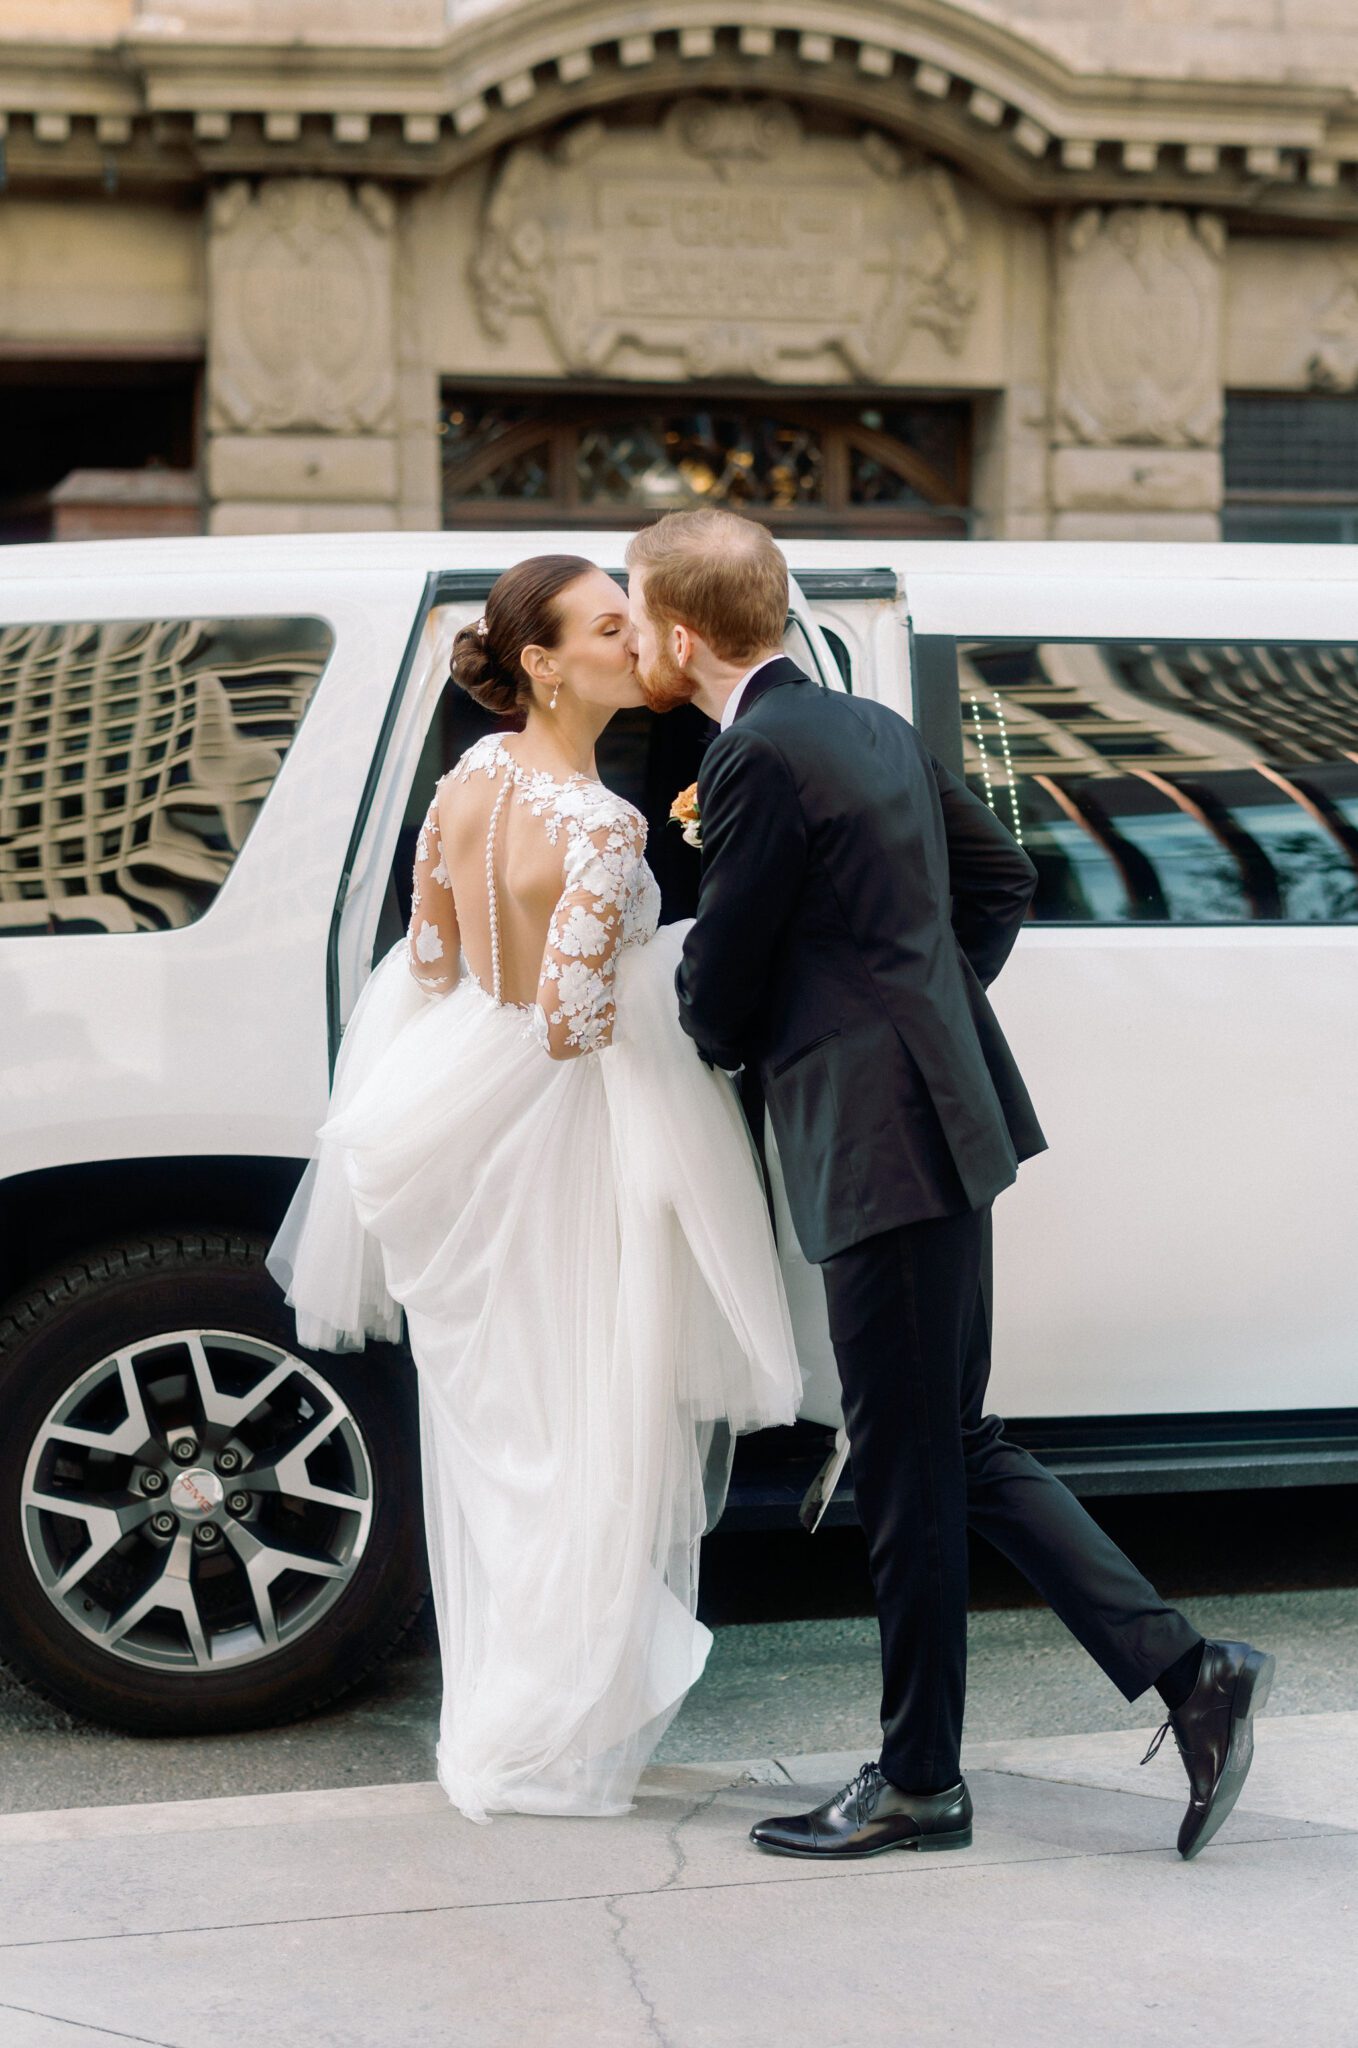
(541, 882)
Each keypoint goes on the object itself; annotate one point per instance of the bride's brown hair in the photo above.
(521, 611)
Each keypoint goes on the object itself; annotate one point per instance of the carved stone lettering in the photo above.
(732, 244)
(1139, 328)
(301, 329)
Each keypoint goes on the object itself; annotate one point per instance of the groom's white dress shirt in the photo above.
(733, 701)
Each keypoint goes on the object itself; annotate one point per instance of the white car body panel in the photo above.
(1177, 1249)
(1182, 1244)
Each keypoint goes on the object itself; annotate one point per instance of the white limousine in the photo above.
(214, 755)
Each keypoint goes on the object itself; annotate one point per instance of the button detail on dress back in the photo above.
(491, 903)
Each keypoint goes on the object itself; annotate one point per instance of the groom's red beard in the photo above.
(664, 684)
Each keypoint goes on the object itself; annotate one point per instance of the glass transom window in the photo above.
(1290, 466)
(884, 468)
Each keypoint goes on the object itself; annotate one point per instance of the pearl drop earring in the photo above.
(555, 694)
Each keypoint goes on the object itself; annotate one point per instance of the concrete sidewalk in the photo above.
(358, 1918)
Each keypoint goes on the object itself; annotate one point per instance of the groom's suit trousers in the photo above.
(910, 1323)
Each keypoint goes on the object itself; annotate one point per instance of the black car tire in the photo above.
(122, 1294)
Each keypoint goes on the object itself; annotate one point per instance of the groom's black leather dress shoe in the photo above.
(869, 1816)
(1215, 1735)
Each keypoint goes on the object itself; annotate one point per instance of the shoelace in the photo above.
(1161, 1732)
(858, 1789)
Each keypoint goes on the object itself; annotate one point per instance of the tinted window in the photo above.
(646, 759)
(134, 758)
(1184, 783)
(642, 757)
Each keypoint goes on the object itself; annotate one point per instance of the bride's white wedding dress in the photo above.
(591, 1292)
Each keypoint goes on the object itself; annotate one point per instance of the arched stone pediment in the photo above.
(1002, 105)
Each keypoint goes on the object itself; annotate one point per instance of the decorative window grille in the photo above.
(1290, 463)
(883, 467)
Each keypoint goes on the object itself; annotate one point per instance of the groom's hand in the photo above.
(992, 878)
(710, 1059)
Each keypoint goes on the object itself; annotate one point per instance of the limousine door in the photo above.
(1180, 760)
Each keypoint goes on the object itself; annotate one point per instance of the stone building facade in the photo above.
(1032, 268)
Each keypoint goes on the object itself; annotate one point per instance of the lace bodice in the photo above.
(609, 898)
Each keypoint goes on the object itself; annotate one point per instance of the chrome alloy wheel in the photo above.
(196, 1500)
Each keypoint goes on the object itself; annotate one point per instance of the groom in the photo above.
(856, 901)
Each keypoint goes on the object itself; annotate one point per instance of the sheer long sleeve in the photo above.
(575, 990)
(432, 939)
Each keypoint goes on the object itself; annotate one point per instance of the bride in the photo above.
(526, 1156)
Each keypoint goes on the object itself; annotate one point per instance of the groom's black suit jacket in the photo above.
(856, 901)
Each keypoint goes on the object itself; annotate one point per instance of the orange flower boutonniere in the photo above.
(684, 813)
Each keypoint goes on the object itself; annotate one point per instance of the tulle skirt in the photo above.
(593, 1301)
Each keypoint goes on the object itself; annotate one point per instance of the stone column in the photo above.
(1013, 425)
(1137, 389)
(302, 416)
(418, 447)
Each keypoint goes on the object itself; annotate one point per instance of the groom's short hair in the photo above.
(720, 575)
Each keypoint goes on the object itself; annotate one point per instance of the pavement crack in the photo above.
(61, 2019)
(691, 1812)
(1312, 1831)
(617, 1934)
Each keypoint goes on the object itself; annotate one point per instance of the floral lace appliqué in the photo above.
(432, 936)
(609, 898)
(604, 907)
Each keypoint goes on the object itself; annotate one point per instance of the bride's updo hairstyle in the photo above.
(521, 611)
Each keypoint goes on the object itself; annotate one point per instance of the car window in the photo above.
(1180, 782)
(135, 755)
(798, 648)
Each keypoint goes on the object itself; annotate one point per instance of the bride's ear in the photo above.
(537, 665)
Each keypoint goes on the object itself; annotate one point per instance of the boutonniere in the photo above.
(685, 814)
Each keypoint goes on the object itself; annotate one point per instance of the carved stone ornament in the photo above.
(1333, 362)
(1139, 328)
(300, 282)
(731, 244)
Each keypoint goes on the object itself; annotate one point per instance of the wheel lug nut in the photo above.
(207, 1533)
(164, 1525)
(184, 1450)
(238, 1503)
(153, 1482)
(228, 1461)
